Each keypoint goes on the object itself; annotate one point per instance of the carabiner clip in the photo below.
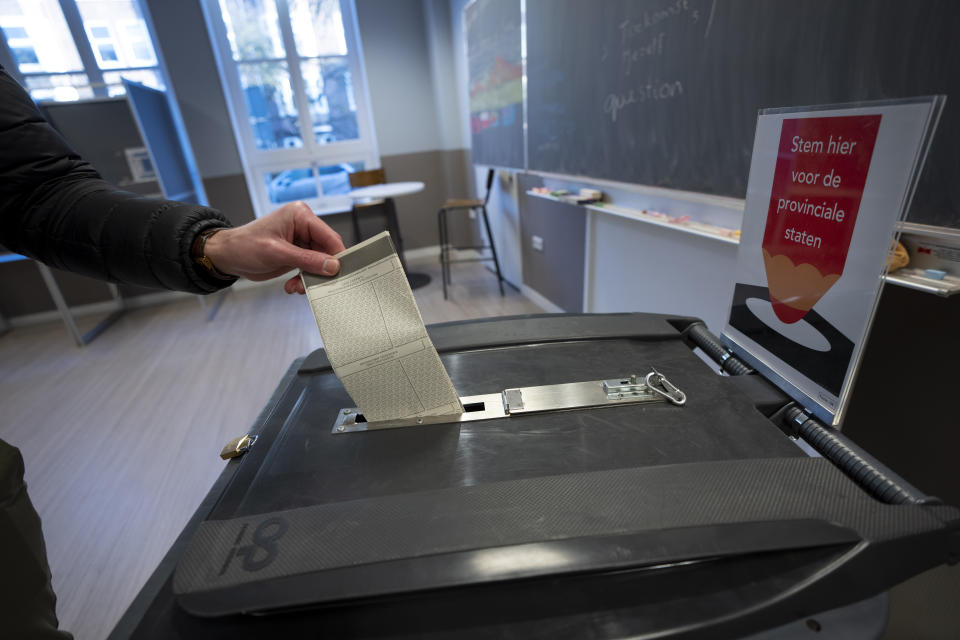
(659, 384)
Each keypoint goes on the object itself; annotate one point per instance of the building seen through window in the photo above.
(83, 52)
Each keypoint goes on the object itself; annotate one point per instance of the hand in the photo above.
(291, 237)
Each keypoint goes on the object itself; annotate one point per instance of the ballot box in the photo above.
(603, 479)
(607, 522)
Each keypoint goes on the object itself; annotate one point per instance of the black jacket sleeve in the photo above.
(54, 207)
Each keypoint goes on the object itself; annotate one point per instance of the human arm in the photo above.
(54, 207)
(291, 237)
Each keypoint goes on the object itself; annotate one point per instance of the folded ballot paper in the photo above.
(374, 336)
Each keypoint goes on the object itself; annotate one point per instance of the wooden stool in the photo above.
(365, 179)
(446, 247)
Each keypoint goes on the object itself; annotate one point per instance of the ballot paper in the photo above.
(374, 336)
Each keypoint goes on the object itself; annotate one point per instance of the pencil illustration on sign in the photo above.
(821, 169)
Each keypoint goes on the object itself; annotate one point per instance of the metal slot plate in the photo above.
(518, 401)
(492, 402)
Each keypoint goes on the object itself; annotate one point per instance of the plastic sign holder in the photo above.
(828, 186)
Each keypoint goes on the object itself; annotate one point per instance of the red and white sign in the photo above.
(818, 182)
(827, 188)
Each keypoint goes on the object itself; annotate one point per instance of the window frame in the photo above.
(259, 163)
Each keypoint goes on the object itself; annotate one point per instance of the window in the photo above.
(293, 74)
(116, 30)
(54, 66)
(21, 46)
(25, 55)
(102, 42)
(138, 42)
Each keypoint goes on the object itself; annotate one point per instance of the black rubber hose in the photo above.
(868, 472)
(698, 334)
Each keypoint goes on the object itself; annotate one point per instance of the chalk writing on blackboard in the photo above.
(608, 96)
(639, 42)
(652, 17)
(614, 103)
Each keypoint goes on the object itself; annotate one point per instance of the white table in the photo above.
(387, 192)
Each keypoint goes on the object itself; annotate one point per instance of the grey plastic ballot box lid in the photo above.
(606, 522)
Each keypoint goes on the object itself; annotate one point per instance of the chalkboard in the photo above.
(666, 92)
(496, 94)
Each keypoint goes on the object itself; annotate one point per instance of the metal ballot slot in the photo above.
(654, 387)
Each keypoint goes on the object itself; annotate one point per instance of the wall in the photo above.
(556, 271)
(629, 265)
(461, 69)
(406, 49)
(641, 267)
(397, 57)
(598, 262)
(443, 64)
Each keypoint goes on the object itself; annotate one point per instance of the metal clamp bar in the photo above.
(540, 399)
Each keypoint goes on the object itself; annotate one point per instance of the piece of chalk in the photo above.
(935, 274)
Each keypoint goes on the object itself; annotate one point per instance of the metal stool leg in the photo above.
(450, 246)
(443, 273)
(394, 225)
(356, 226)
(444, 250)
(493, 249)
